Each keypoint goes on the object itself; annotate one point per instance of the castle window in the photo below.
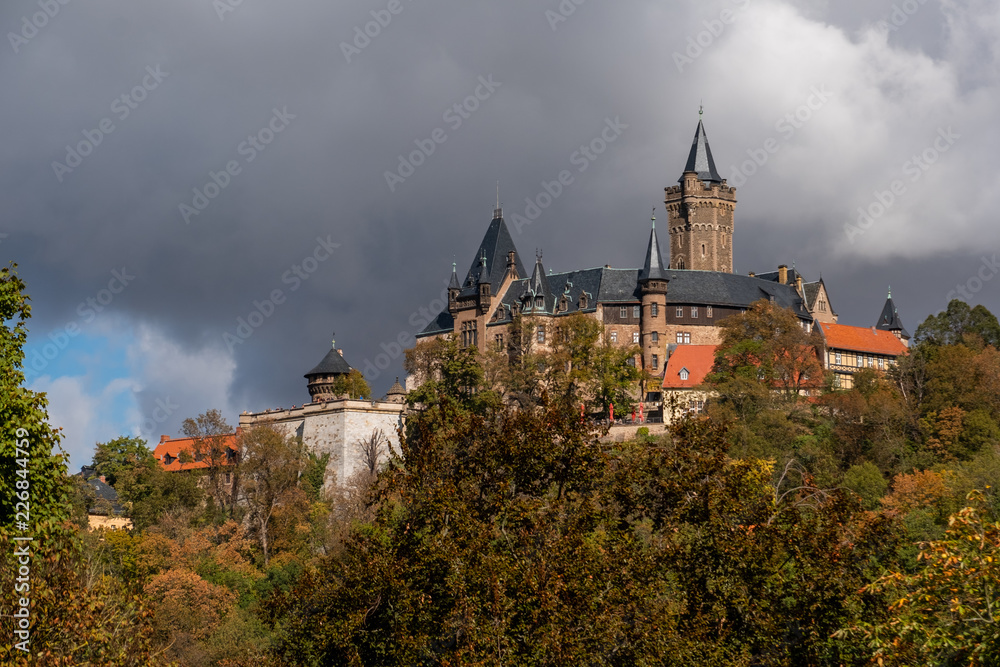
(541, 333)
(539, 302)
(837, 359)
(636, 311)
(881, 363)
(708, 311)
(702, 249)
(822, 305)
(694, 311)
(655, 337)
(229, 478)
(656, 362)
(685, 374)
(683, 338)
(623, 312)
(498, 341)
(680, 311)
(614, 336)
(654, 310)
(635, 337)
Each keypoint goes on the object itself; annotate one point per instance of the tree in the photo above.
(211, 437)
(955, 324)
(122, 453)
(948, 611)
(515, 537)
(272, 465)
(150, 493)
(352, 385)
(31, 459)
(768, 344)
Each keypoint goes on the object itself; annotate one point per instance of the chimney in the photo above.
(798, 284)
(164, 438)
(340, 352)
(783, 274)
(512, 265)
(103, 481)
(752, 274)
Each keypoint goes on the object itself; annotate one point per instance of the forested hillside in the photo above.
(857, 527)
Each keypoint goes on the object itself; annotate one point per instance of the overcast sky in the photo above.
(167, 165)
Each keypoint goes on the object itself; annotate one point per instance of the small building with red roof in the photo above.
(182, 455)
(850, 349)
(685, 372)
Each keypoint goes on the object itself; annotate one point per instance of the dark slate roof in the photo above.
(889, 320)
(812, 291)
(700, 158)
(539, 284)
(715, 288)
(453, 284)
(773, 276)
(496, 243)
(443, 323)
(105, 492)
(653, 266)
(332, 364)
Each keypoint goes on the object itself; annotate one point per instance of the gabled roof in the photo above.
(889, 320)
(172, 448)
(539, 284)
(700, 158)
(103, 491)
(497, 242)
(861, 339)
(443, 323)
(653, 267)
(697, 359)
(332, 364)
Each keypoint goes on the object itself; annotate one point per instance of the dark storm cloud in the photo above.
(349, 105)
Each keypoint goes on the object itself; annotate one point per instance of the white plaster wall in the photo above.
(336, 428)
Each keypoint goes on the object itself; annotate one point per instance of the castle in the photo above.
(661, 307)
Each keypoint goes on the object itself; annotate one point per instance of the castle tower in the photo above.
(653, 294)
(323, 378)
(700, 212)
(889, 320)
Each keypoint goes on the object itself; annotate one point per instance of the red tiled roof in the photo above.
(697, 359)
(174, 447)
(862, 339)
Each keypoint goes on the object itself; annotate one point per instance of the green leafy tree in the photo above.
(27, 441)
(122, 453)
(956, 323)
(352, 385)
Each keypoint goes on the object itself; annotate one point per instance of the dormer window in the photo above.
(539, 302)
(684, 374)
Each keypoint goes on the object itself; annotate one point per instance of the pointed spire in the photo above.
(539, 283)
(653, 268)
(889, 320)
(700, 158)
(454, 284)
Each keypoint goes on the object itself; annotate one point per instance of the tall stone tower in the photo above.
(700, 210)
(653, 294)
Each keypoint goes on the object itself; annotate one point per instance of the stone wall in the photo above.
(337, 428)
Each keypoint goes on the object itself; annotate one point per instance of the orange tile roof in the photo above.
(862, 339)
(173, 447)
(697, 359)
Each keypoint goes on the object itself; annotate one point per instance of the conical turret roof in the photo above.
(653, 268)
(700, 158)
(889, 320)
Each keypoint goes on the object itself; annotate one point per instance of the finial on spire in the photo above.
(701, 109)
(333, 340)
(890, 291)
(653, 217)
